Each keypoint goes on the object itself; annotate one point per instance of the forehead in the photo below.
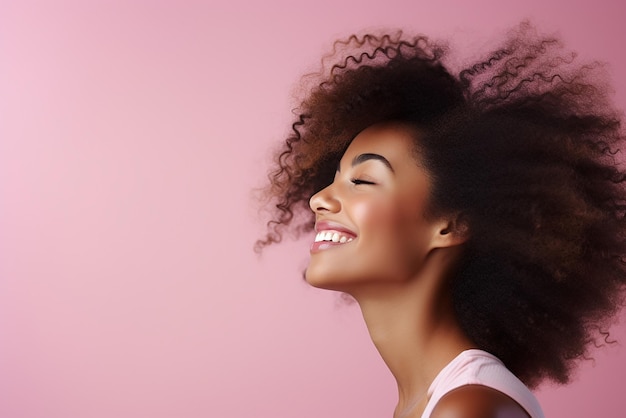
(393, 141)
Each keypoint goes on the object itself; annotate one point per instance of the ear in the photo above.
(451, 231)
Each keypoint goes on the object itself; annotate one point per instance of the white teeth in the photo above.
(332, 236)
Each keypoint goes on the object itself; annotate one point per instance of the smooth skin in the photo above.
(397, 267)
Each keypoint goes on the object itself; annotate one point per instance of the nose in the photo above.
(325, 201)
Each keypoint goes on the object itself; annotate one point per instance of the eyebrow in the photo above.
(361, 158)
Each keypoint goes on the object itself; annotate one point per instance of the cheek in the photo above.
(386, 227)
(375, 212)
(393, 232)
(383, 215)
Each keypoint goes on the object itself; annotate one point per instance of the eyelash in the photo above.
(359, 181)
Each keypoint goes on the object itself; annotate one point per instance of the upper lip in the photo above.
(332, 226)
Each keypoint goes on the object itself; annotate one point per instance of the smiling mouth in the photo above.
(332, 236)
(329, 239)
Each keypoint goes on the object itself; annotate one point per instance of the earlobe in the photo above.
(451, 232)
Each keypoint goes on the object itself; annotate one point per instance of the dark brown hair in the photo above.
(524, 145)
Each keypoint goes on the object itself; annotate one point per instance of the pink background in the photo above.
(131, 136)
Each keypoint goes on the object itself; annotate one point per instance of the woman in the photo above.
(478, 219)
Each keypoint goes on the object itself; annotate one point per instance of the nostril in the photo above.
(324, 201)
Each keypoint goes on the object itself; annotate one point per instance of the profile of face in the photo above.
(371, 224)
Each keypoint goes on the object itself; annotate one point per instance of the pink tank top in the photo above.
(477, 367)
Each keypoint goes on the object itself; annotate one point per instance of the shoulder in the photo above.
(477, 401)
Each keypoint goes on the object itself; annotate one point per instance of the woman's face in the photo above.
(370, 226)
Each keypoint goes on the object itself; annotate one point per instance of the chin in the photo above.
(328, 280)
(315, 280)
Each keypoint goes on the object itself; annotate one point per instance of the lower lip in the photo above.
(325, 245)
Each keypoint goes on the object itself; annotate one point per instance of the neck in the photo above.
(412, 325)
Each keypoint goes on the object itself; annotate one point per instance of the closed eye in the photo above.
(359, 181)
